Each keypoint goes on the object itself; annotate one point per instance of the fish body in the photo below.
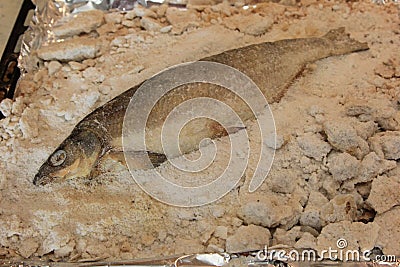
(271, 65)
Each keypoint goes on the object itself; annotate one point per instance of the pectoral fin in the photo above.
(137, 159)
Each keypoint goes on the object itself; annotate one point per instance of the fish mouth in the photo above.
(40, 180)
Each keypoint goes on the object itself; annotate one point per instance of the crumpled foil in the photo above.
(49, 13)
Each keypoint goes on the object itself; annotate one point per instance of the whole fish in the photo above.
(271, 65)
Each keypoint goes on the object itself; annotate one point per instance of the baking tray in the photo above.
(9, 71)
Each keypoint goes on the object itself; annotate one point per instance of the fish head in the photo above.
(74, 158)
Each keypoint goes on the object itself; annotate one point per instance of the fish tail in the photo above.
(342, 43)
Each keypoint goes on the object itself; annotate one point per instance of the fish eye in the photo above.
(58, 158)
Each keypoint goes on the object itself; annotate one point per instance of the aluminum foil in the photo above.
(50, 13)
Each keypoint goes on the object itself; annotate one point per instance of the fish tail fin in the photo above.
(342, 43)
(157, 158)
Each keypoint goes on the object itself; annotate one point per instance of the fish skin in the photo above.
(272, 66)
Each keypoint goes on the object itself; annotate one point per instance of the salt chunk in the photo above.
(130, 15)
(107, 28)
(331, 186)
(28, 247)
(66, 69)
(28, 123)
(134, 38)
(307, 241)
(282, 236)
(283, 181)
(96, 250)
(94, 75)
(76, 49)
(56, 239)
(68, 115)
(311, 218)
(365, 129)
(38, 76)
(274, 141)
(382, 111)
(389, 232)
(81, 245)
(89, 62)
(253, 24)
(236, 222)
(343, 166)
(83, 22)
(65, 251)
(218, 211)
(6, 106)
(343, 137)
(181, 20)
(18, 106)
(144, 12)
(269, 210)
(104, 89)
(118, 41)
(224, 8)
(161, 10)
(311, 214)
(384, 193)
(128, 23)
(150, 24)
(113, 17)
(385, 115)
(246, 238)
(386, 144)
(308, 166)
(358, 107)
(221, 232)
(53, 67)
(90, 99)
(340, 208)
(312, 146)
(372, 165)
(76, 65)
(166, 29)
(84, 102)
